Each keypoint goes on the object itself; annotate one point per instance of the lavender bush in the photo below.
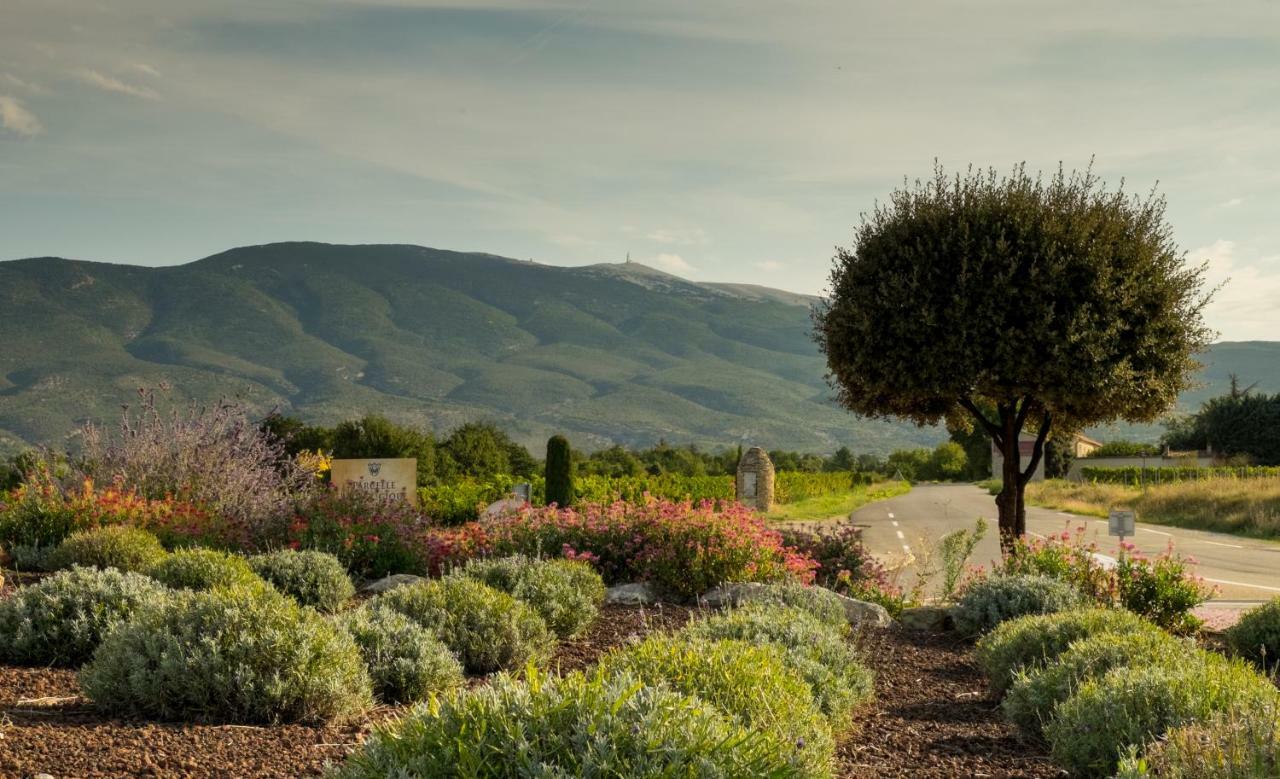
(213, 456)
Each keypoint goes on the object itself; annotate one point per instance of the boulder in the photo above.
(932, 618)
(734, 594)
(391, 582)
(630, 594)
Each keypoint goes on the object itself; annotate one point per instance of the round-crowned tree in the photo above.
(1012, 302)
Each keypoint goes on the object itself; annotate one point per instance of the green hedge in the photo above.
(1136, 475)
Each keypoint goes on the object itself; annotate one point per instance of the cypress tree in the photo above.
(559, 472)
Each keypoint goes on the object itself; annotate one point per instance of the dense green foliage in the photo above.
(818, 602)
(204, 569)
(406, 662)
(62, 619)
(312, 578)
(951, 265)
(1232, 745)
(235, 655)
(821, 653)
(115, 546)
(1122, 448)
(1027, 642)
(559, 475)
(1089, 731)
(1137, 475)
(987, 602)
(1240, 423)
(486, 628)
(1257, 635)
(751, 683)
(589, 726)
(565, 593)
(1037, 689)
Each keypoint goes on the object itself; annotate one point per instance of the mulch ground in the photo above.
(932, 718)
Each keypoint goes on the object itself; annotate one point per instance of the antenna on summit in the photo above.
(628, 258)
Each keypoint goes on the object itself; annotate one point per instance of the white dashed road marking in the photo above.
(891, 517)
(895, 523)
(900, 536)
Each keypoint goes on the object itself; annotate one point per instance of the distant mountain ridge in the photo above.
(618, 353)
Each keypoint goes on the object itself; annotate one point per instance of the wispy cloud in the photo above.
(1232, 203)
(1247, 306)
(768, 265)
(111, 84)
(145, 69)
(26, 86)
(16, 118)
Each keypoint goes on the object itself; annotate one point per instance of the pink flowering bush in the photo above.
(1162, 588)
(370, 536)
(682, 548)
(845, 565)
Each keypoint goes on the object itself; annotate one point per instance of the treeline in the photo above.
(1241, 425)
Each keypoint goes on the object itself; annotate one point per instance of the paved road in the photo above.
(898, 529)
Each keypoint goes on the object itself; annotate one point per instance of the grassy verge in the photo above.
(838, 504)
(1249, 507)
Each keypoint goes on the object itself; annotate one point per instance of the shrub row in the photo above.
(1102, 687)
(1136, 475)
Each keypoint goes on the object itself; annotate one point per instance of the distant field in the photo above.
(838, 504)
(1248, 507)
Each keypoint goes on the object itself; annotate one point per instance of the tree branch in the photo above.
(1036, 452)
(992, 429)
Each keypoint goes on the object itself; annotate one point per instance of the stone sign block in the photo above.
(392, 477)
(754, 483)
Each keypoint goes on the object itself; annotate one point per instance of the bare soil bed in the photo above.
(932, 718)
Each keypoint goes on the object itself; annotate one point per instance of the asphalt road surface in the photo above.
(902, 529)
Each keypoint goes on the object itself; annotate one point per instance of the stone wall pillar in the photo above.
(754, 483)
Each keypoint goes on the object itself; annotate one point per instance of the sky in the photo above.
(721, 140)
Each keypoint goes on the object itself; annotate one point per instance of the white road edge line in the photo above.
(1243, 584)
(1157, 532)
(1229, 546)
(1033, 533)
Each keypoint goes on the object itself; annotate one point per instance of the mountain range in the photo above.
(610, 353)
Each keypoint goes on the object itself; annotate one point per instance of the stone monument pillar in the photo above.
(754, 484)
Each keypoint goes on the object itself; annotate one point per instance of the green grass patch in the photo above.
(837, 505)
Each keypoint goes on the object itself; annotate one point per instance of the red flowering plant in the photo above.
(845, 565)
(370, 535)
(1162, 588)
(683, 548)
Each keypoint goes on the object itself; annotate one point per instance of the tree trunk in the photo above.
(1012, 516)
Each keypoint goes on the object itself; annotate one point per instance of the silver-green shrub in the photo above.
(753, 684)
(405, 660)
(990, 601)
(486, 628)
(565, 593)
(114, 546)
(1034, 693)
(229, 655)
(62, 619)
(204, 569)
(1233, 745)
(1257, 635)
(820, 653)
(1033, 640)
(579, 726)
(312, 578)
(1129, 707)
(818, 601)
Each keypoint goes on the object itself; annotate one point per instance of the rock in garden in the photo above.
(933, 618)
(863, 613)
(391, 582)
(630, 594)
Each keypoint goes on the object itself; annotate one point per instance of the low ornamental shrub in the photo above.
(987, 602)
(232, 655)
(372, 537)
(821, 654)
(1231, 746)
(486, 628)
(41, 513)
(1161, 588)
(1027, 642)
(1036, 691)
(62, 619)
(312, 578)
(116, 546)
(406, 662)
(1257, 635)
(684, 549)
(820, 603)
(844, 564)
(576, 726)
(751, 683)
(565, 593)
(1129, 707)
(204, 569)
